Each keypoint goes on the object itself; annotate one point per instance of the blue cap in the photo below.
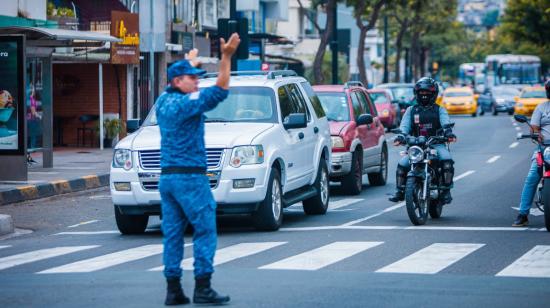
(183, 67)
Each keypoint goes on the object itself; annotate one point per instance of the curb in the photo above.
(32, 192)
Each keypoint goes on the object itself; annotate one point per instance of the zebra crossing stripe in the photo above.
(432, 259)
(108, 260)
(4, 246)
(38, 255)
(322, 256)
(230, 253)
(534, 263)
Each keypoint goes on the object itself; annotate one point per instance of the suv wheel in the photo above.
(318, 204)
(130, 224)
(353, 182)
(379, 178)
(269, 215)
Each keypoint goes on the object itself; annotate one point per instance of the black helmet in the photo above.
(547, 87)
(425, 91)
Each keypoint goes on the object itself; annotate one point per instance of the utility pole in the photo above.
(233, 16)
(386, 73)
(334, 46)
(151, 57)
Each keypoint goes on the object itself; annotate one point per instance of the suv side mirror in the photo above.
(132, 125)
(364, 119)
(295, 120)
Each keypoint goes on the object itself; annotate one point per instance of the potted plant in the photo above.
(112, 127)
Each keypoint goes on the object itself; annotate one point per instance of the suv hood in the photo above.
(226, 135)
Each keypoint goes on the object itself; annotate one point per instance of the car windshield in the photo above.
(457, 94)
(505, 92)
(335, 106)
(533, 94)
(406, 93)
(244, 104)
(379, 98)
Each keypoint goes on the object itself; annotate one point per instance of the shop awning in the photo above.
(49, 37)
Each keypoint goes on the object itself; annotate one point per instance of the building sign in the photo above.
(125, 26)
(12, 95)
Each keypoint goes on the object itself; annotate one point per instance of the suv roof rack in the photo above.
(353, 84)
(269, 74)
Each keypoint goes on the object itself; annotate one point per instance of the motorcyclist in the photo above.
(540, 123)
(425, 119)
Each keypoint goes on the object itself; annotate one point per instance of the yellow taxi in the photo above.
(459, 100)
(528, 100)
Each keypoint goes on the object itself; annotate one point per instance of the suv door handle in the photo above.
(301, 135)
(316, 129)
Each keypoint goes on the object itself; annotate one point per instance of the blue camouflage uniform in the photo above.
(406, 128)
(186, 198)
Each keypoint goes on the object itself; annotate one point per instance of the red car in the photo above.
(358, 141)
(387, 112)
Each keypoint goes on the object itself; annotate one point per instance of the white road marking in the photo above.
(4, 246)
(88, 232)
(518, 128)
(493, 159)
(230, 253)
(341, 227)
(535, 263)
(534, 211)
(38, 255)
(108, 260)
(333, 205)
(322, 256)
(432, 259)
(513, 145)
(83, 223)
(399, 205)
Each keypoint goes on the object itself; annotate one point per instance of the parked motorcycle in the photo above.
(425, 180)
(542, 198)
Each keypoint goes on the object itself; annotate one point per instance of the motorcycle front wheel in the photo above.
(417, 207)
(546, 201)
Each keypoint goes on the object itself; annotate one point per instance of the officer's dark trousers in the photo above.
(186, 198)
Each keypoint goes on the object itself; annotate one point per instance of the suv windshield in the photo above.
(335, 105)
(244, 104)
(378, 98)
(406, 93)
(505, 92)
(533, 94)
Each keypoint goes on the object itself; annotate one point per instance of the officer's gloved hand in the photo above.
(450, 135)
(399, 139)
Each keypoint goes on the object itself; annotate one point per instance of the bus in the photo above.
(513, 70)
(471, 74)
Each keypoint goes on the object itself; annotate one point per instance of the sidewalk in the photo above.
(75, 169)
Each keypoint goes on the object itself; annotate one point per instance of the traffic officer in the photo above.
(425, 119)
(184, 187)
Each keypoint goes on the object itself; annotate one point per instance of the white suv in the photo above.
(268, 146)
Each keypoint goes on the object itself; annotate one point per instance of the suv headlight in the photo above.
(337, 142)
(122, 158)
(546, 155)
(416, 154)
(247, 155)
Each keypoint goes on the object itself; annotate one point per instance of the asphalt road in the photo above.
(363, 253)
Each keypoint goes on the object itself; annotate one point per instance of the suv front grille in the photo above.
(150, 159)
(149, 184)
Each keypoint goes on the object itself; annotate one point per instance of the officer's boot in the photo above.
(174, 294)
(204, 294)
(448, 171)
(400, 178)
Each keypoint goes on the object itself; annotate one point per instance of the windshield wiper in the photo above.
(217, 120)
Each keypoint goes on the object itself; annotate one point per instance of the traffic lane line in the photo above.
(418, 228)
(513, 145)
(83, 223)
(493, 159)
(399, 205)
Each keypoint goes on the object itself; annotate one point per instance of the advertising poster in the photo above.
(11, 95)
(125, 26)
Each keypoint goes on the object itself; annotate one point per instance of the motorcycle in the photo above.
(424, 181)
(542, 197)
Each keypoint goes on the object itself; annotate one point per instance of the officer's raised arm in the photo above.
(227, 50)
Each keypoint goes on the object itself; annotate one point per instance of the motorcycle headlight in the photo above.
(337, 142)
(416, 154)
(546, 155)
(247, 155)
(122, 158)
